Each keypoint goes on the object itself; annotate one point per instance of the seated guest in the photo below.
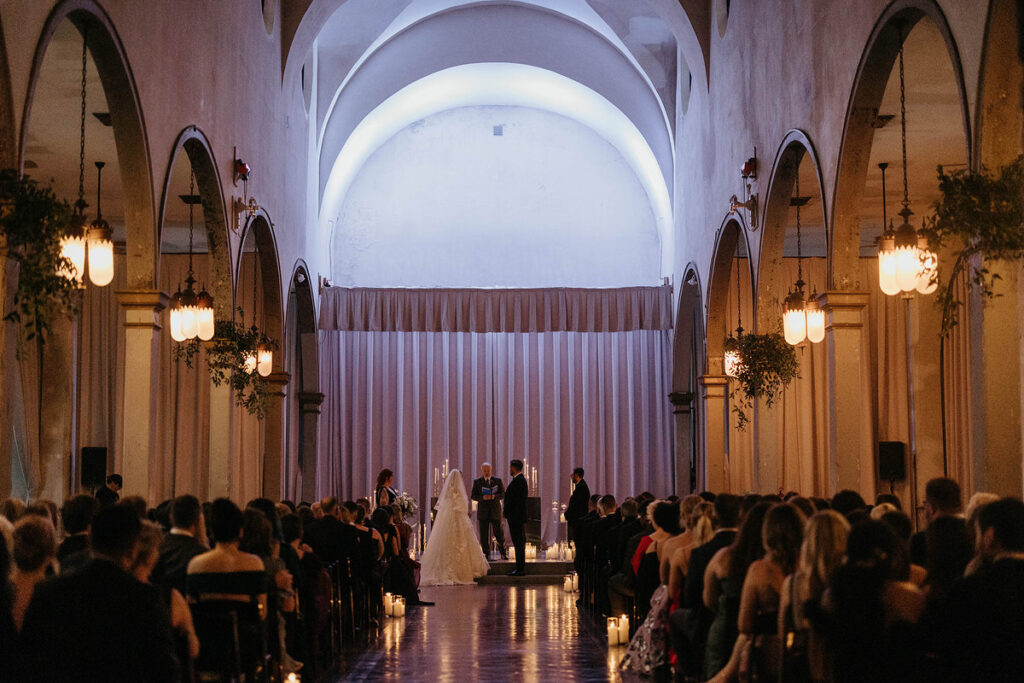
(942, 498)
(46, 509)
(181, 617)
(225, 556)
(185, 540)
(622, 583)
(847, 502)
(905, 570)
(332, 538)
(629, 525)
(107, 495)
(684, 539)
(35, 547)
(99, 623)
(981, 625)
(700, 527)
(974, 505)
(949, 551)
(12, 509)
(77, 513)
(866, 616)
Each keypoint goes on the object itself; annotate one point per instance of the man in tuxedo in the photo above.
(942, 498)
(579, 502)
(99, 623)
(107, 494)
(515, 513)
(181, 544)
(77, 513)
(488, 492)
(332, 538)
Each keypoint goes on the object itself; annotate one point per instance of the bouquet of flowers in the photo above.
(407, 504)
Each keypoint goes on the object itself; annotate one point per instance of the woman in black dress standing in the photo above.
(385, 495)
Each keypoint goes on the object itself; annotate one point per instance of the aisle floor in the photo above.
(490, 633)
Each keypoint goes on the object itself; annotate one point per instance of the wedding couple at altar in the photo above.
(454, 554)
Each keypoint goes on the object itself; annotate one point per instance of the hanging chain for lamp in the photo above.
(72, 244)
(732, 360)
(192, 315)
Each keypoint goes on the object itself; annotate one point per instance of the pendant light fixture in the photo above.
(72, 244)
(732, 359)
(801, 317)
(100, 244)
(192, 314)
(261, 359)
(905, 263)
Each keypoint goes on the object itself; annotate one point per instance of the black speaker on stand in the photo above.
(892, 462)
(94, 467)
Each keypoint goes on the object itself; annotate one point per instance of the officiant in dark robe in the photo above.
(488, 492)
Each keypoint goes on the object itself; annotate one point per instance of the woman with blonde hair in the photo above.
(822, 551)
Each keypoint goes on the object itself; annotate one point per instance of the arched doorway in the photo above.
(302, 363)
(687, 358)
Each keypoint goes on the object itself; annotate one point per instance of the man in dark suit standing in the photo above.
(515, 513)
(579, 502)
(99, 623)
(107, 494)
(488, 492)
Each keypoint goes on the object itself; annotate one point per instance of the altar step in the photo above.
(538, 573)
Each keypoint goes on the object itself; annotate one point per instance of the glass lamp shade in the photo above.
(906, 257)
(733, 363)
(205, 321)
(101, 255)
(249, 364)
(887, 264)
(73, 249)
(928, 265)
(815, 321)
(189, 322)
(794, 321)
(264, 361)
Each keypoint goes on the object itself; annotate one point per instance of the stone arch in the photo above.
(301, 322)
(687, 363)
(729, 237)
(261, 228)
(128, 124)
(869, 86)
(795, 146)
(197, 148)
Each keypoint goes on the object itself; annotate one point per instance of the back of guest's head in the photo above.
(77, 513)
(39, 509)
(291, 527)
(578, 471)
(137, 503)
(771, 498)
(328, 504)
(702, 523)
(628, 509)
(643, 500)
(383, 477)
(1005, 517)
(35, 543)
(289, 504)
(821, 504)
(872, 545)
(881, 509)
(162, 514)
(150, 537)
(949, 550)
(846, 501)
(943, 494)
(185, 511)
(977, 501)
(269, 510)
(858, 515)
(686, 507)
(727, 510)
(889, 498)
(381, 518)
(115, 531)
(748, 546)
(606, 504)
(823, 549)
(115, 479)
(256, 533)
(782, 533)
(516, 465)
(12, 509)
(666, 516)
(748, 501)
(900, 524)
(225, 521)
(365, 504)
(595, 498)
(707, 495)
(305, 513)
(802, 504)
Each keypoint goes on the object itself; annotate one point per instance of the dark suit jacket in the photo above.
(579, 503)
(333, 541)
(73, 552)
(601, 533)
(515, 500)
(97, 624)
(693, 591)
(106, 497)
(582, 535)
(620, 535)
(488, 509)
(176, 551)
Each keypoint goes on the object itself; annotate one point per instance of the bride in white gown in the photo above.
(453, 554)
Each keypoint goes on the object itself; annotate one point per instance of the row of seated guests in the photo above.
(788, 588)
(106, 592)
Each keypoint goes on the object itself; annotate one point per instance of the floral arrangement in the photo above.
(766, 367)
(408, 505)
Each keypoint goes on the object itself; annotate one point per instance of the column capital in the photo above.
(843, 308)
(714, 385)
(278, 381)
(143, 306)
(309, 401)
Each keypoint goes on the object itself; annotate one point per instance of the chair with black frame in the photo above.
(229, 612)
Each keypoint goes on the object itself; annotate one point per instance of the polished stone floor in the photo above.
(489, 633)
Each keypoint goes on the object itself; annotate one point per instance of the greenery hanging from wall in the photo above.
(980, 215)
(32, 221)
(227, 354)
(767, 364)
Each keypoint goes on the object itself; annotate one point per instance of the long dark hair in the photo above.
(383, 477)
(748, 546)
(782, 534)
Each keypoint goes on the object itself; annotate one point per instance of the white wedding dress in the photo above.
(453, 554)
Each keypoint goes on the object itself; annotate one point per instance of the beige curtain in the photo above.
(247, 444)
(739, 448)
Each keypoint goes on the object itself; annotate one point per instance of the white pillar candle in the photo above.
(567, 583)
(389, 604)
(512, 553)
(613, 632)
(623, 629)
(475, 506)
(400, 611)
(575, 581)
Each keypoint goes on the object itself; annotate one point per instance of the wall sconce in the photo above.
(748, 173)
(245, 206)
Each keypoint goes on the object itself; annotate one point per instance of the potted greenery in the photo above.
(766, 365)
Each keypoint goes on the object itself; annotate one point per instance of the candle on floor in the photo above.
(389, 605)
(624, 629)
(400, 608)
(613, 631)
(293, 678)
(575, 581)
(512, 553)
(567, 583)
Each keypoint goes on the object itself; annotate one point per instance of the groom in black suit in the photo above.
(515, 513)
(488, 492)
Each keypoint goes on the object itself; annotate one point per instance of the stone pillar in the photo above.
(682, 411)
(309, 428)
(273, 436)
(767, 425)
(142, 324)
(715, 392)
(56, 410)
(220, 484)
(850, 449)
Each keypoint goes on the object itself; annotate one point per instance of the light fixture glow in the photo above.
(101, 258)
(794, 320)
(249, 363)
(264, 361)
(815, 320)
(73, 249)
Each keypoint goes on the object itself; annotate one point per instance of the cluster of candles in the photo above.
(562, 552)
(618, 631)
(531, 552)
(293, 678)
(394, 605)
(571, 583)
